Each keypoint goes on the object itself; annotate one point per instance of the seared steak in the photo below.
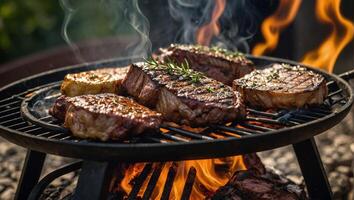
(282, 86)
(104, 116)
(107, 80)
(183, 95)
(217, 63)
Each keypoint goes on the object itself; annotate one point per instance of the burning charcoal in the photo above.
(249, 185)
(253, 162)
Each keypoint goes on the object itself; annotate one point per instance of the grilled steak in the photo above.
(219, 64)
(282, 86)
(183, 95)
(104, 116)
(107, 80)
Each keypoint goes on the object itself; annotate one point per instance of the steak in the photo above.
(104, 116)
(282, 86)
(183, 95)
(107, 80)
(217, 63)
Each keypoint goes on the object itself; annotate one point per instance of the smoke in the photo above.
(238, 22)
(115, 27)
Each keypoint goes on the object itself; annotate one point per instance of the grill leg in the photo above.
(94, 180)
(31, 172)
(312, 169)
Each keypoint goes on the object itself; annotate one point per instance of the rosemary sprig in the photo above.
(233, 54)
(183, 69)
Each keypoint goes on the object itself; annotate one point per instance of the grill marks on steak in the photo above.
(282, 86)
(181, 100)
(107, 80)
(219, 64)
(104, 116)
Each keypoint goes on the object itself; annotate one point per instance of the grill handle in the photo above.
(347, 75)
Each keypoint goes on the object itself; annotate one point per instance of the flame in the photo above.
(205, 33)
(327, 12)
(273, 25)
(325, 56)
(210, 175)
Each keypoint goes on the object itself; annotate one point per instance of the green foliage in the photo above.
(27, 26)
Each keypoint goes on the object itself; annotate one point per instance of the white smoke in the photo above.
(234, 34)
(112, 19)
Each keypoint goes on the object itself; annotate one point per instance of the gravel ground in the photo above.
(336, 147)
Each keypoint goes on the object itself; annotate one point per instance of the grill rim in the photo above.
(161, 151)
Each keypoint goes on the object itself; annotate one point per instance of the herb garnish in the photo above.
(183, 69)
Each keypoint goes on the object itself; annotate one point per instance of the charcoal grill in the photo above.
(24, 123)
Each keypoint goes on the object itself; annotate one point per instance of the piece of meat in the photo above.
(282, 86)
(248, 185)
(104, 116)
(217, 63)
(106, 80)
(183, 95)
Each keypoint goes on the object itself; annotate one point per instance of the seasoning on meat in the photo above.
(181, 94)
(107, 80)
(217, 63)
(282, 86)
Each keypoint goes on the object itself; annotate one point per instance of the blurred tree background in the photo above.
(28, 26)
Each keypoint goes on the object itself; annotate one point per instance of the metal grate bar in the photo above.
(262, 113)
(11, 120)
(6, 99)
(26, 127)
(9, 115)
(69, 137)
(9, 104)
(304, 116)
(187, 190)
(234, 130)
(35, 130)
(139, 182)
(44, 134)
(169, 183)
(154, 139)
(173, 137)
(264, 120)
(9, 110)
(186, 133)
(58, 135)
(335, 93)
(256, 128)
(300, 121)
(153, 180)
(338, 100)
(18, 125)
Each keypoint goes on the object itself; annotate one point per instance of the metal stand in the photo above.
(31, 172)
(94, 179)
(312, 169)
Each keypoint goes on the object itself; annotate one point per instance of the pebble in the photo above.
(8, 194)
(344, 170)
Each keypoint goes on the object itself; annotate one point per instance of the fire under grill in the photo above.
(24, 121)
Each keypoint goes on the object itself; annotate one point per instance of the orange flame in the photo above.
(325, 56)
(273, 25)
(205, 33)
(208, 178)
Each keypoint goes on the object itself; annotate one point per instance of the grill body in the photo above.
(183, 144)
(262, 130)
